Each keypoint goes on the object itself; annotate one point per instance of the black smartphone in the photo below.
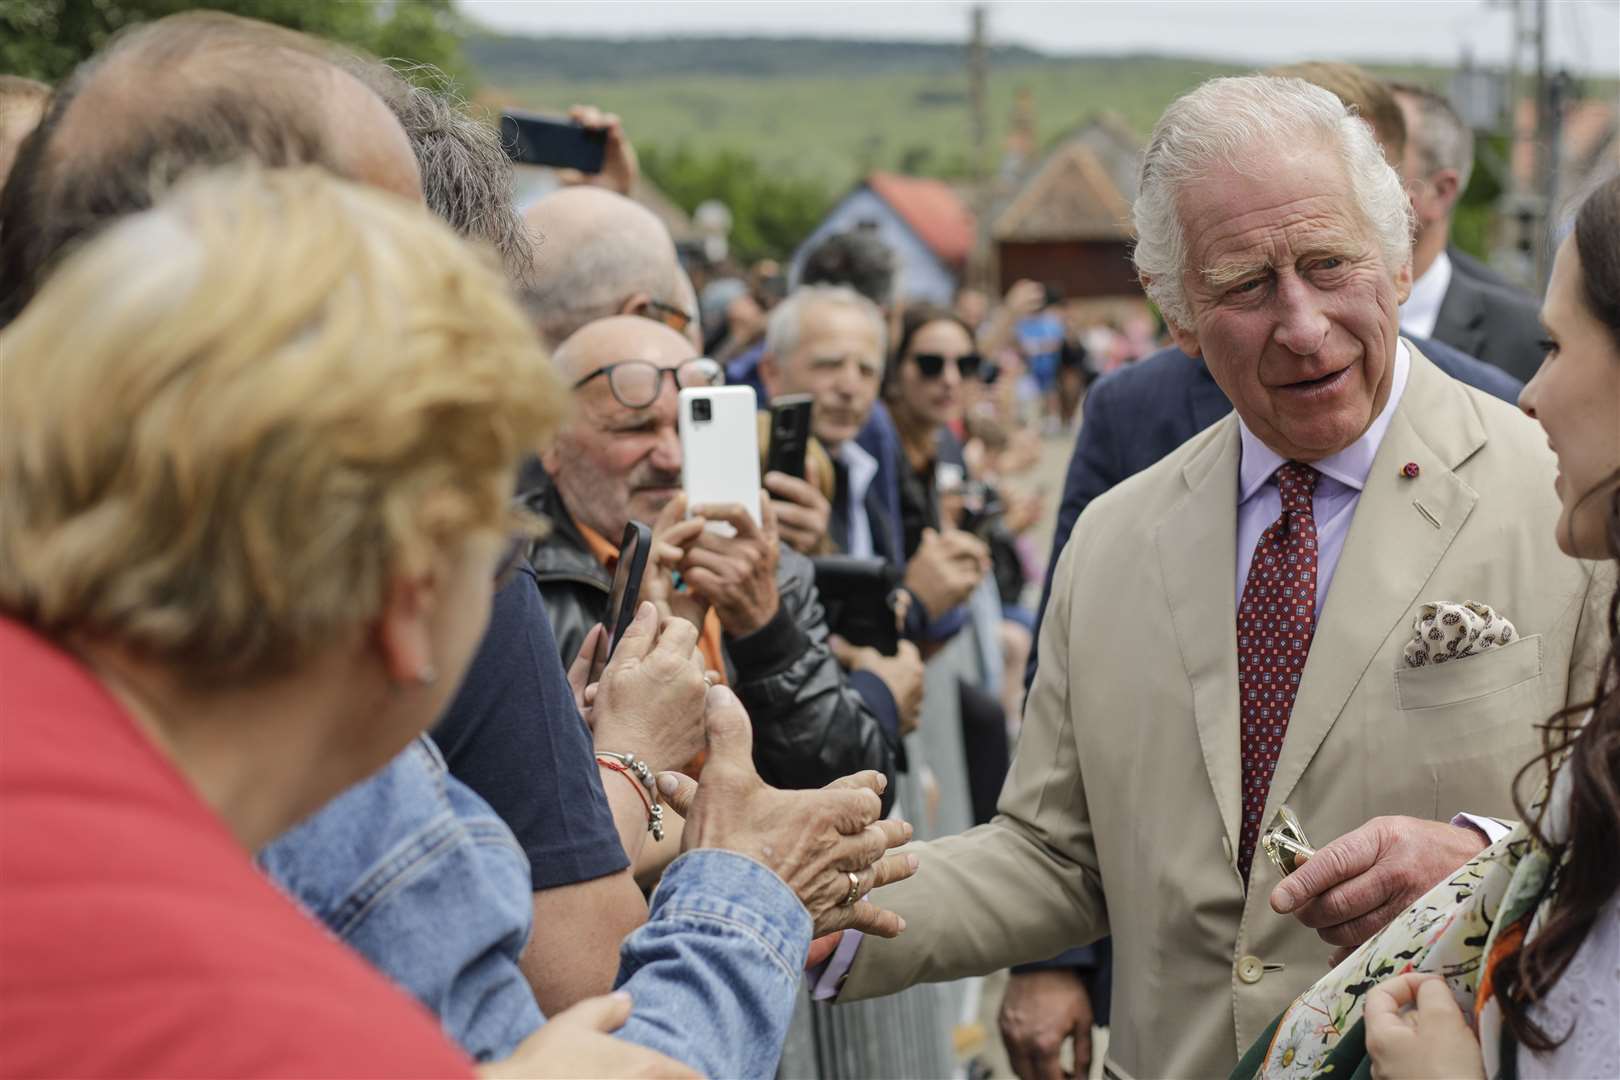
(624, 595)
(530, 139)
(790, 434)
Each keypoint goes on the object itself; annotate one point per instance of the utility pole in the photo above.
(981, 267)
(1546, 147)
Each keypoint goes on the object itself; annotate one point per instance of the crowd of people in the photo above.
(315, 453)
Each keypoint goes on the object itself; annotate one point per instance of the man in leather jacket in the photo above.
(764, 629)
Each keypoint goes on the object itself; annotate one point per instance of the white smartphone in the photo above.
(720, 448)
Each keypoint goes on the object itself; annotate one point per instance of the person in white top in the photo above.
(1556, 994)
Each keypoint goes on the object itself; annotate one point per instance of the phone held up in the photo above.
(623, 596)
(790, 434)
(719, 449)
(531, 139)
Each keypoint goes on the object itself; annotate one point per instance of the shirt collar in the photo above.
(862, 466)
(600, 547)
(1422, 309)
(1349, 466)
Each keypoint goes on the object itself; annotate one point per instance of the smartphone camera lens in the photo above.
(702, 410)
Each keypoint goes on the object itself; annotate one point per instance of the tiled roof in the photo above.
(933, 211)
(1071, 196)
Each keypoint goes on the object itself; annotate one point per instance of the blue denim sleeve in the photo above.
(415, 872)
(713, 973)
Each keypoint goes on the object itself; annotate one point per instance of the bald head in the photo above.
(188, 91)
(620, 337)
(597, 253)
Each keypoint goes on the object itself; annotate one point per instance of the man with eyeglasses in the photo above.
(762, 625)
(828, 341)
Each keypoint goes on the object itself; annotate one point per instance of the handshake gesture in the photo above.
(828, 845)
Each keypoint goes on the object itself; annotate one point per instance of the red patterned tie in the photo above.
(1275, 622)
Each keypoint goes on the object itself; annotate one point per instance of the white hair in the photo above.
(1223, 123)
(786, 326)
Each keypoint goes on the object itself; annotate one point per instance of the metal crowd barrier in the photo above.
(909, 1035)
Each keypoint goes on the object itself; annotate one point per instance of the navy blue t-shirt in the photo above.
(514, 735)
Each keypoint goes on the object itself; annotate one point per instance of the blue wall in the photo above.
(922, 275)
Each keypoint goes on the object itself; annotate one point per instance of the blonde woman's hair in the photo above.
(229, 421)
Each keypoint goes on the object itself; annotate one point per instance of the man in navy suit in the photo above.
(1132, 418)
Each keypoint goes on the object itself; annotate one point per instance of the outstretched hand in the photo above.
(812, 840)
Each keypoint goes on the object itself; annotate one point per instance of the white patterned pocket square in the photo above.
(1448, 630)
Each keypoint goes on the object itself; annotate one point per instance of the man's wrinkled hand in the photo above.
(812, 840)
(673, 535)
(650, 699)
(736, 575)
(1351, 888)
(1040, 1011)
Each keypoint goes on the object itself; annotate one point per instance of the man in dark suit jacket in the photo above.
(1455, 298)
(1132, 418)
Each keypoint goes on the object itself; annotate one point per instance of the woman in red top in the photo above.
(255, 451)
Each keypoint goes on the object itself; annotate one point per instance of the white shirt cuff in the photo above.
(1492, 829)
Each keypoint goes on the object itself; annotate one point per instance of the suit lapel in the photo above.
(1197, 544)
(1401, 530)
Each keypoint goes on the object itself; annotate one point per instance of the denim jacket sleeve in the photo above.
(713, 973)
(414, 872)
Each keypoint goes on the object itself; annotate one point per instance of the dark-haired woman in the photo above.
(1511, 967)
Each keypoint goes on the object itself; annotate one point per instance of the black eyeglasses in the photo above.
(677, 319)
(636, 384)
(932, 365)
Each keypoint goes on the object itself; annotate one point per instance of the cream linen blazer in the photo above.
(1120, 814)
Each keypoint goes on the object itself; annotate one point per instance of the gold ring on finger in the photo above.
(854, 888)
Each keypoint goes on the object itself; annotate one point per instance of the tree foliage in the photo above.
(771, 212)
(45, 39)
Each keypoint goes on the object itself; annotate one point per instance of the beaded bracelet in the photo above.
(640, 776)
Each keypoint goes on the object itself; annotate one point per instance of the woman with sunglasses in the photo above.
(935, 357)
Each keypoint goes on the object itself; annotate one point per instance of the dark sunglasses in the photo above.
(932, 365)
(671, 316)
(636, 384)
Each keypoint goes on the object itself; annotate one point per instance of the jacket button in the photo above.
(1250, 969)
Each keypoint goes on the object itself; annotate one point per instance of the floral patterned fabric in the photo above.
(1459, 929)
(1445, 630)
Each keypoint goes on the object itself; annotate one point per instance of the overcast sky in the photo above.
(1584, 34)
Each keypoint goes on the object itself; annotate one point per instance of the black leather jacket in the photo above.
(810, 726)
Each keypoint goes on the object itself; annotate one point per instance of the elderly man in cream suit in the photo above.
(1228, 629)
